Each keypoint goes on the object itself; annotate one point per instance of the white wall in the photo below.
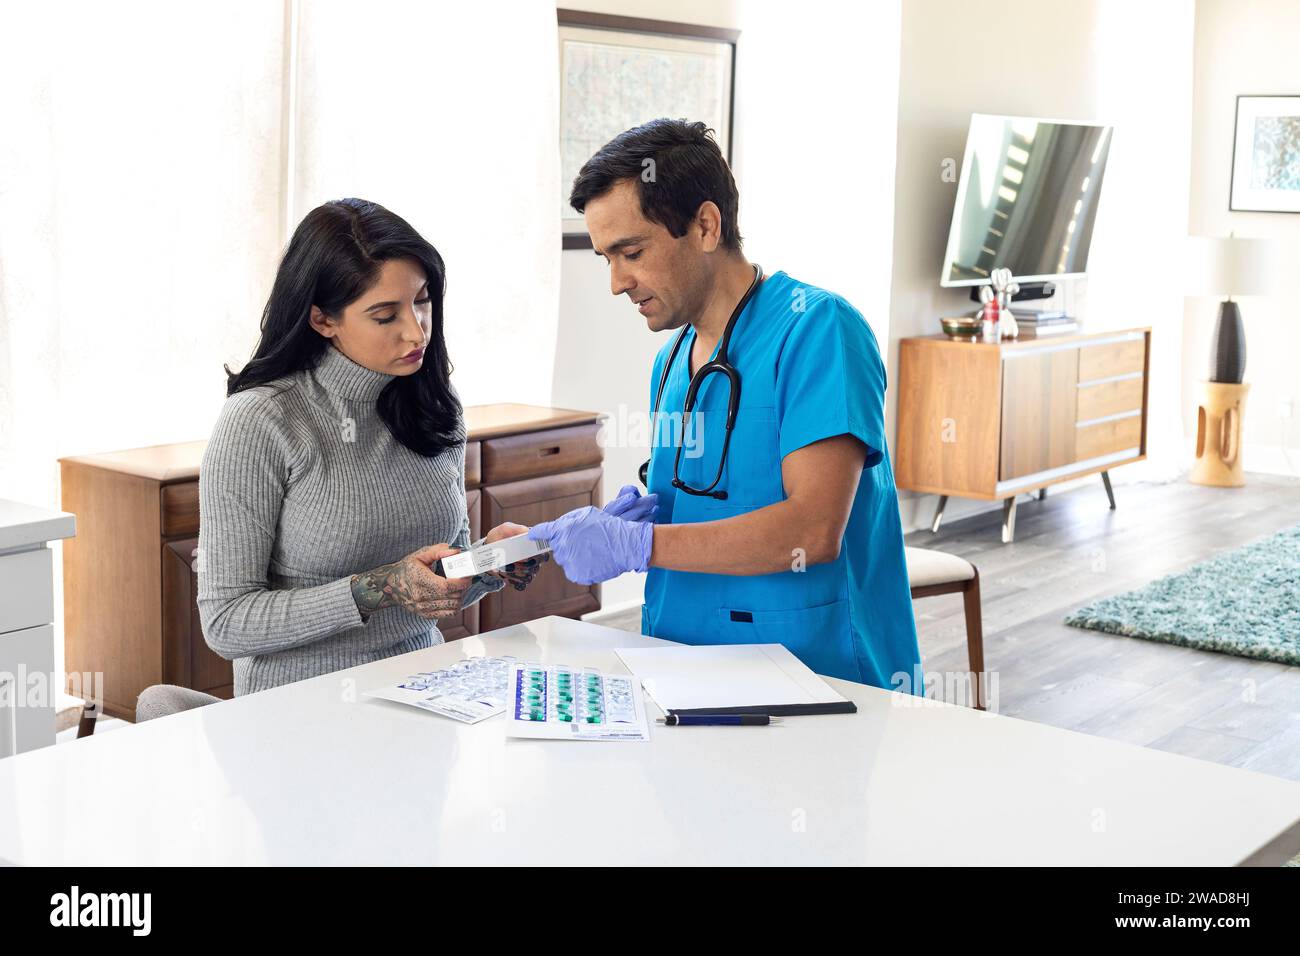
(1244, 47)
(398, 103)
(816, 126)
(813, 158)
(1139, 245)
(1088, 60)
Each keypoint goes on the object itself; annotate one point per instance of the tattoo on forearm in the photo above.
(385, 586)
(409, 584)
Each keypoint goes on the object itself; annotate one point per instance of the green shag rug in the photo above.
(1244, 602)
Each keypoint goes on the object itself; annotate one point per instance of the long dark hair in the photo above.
(334, 256)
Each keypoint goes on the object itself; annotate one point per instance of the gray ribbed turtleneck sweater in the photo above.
(302, 486)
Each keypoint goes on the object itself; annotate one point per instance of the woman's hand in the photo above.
(521, 573)
(411, 583)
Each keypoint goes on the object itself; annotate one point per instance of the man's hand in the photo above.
(592, 546)
(411, 583)
(630, 505)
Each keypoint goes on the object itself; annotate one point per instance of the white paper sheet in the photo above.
(693, 677)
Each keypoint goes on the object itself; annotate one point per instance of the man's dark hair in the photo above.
(677, 166)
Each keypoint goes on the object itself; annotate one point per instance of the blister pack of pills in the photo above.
(564, 703)
(469, 691)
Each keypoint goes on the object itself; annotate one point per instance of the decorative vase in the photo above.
(1228, 363)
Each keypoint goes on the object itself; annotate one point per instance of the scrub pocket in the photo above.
(752, 473)
(821, 636)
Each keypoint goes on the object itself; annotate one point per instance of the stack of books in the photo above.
(1044, 322)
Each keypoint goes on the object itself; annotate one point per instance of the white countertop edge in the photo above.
(23, 526)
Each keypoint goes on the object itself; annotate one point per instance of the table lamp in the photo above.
(1228, 267)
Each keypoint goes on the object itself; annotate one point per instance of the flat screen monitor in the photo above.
(1026, 199)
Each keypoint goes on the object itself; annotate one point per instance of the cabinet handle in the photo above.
(547, 452)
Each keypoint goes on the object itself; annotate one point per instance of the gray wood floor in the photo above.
(1071, 548)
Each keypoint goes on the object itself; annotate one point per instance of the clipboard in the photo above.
(732, 679)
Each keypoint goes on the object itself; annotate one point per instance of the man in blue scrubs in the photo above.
(806, 547)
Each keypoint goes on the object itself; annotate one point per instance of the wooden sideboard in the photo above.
(129, 584)
(995, 420)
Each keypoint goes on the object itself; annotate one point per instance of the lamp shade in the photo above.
(1231, 266)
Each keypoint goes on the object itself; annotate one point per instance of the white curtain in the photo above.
(154, 156)
(139, 175)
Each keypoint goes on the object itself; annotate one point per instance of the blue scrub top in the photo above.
(810, 369)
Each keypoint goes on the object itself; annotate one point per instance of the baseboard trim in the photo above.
(1271, 460)
(622, 607)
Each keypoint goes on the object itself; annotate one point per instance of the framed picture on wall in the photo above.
(1266, 155)
(619, 72)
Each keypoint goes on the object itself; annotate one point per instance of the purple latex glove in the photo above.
(631, 505)
(592, 546)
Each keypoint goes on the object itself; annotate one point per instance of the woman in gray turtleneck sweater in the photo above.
(334, 477)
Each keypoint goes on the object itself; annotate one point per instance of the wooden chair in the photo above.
(160, 700)
(163, 700)
(89, 715)
(932, 572)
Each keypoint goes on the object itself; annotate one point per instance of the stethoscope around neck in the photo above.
(718, 366)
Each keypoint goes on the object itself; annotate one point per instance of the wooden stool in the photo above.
(1218, 435)
(937, 572)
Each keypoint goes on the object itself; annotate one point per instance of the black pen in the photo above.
(718, 720)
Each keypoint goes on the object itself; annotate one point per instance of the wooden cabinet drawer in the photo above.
(1038, 413)
(1110, 398)
(1104, 438)
(186, 658)
(528, 502)
(27, 578)
(541, 453)
(1113, 358)
(180, 508)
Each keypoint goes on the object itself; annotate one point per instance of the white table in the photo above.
(28, 684)
(313, 773)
